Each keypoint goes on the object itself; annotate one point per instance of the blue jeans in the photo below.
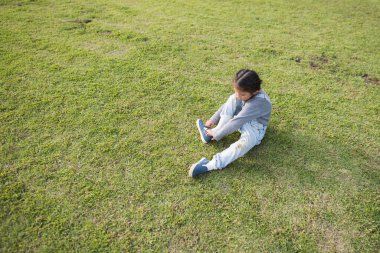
(251, 135)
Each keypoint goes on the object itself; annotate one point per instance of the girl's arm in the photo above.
(251, 111)
(216, 117)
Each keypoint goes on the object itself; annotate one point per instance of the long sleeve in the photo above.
(256, 109)
(216, 117)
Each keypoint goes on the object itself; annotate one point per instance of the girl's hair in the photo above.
(247, 80)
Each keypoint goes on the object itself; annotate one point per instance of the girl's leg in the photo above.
(229, 109)
(251, 135)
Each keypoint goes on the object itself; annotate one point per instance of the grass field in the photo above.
(98, 102)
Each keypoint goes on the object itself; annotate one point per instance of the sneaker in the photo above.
(198, 168)
(202, 131)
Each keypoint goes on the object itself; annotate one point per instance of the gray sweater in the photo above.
(258, 108)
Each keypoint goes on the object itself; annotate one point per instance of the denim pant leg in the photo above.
(229, 109)
(251, 135)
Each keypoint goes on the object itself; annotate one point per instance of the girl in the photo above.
(248, 110)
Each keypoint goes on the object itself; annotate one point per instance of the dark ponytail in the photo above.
(247, 80)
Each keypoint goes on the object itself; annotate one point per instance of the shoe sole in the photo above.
(200, 132)
(194, 165)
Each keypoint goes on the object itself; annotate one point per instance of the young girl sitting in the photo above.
(248, 110)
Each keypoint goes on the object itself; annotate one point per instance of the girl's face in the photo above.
(243, 95)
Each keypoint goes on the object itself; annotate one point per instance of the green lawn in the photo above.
(98, 102)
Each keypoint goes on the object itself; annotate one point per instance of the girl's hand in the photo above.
(208, 132)
(209, 123)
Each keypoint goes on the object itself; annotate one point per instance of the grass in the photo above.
(98, 104)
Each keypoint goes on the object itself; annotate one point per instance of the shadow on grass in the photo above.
(303, 159)
(304, 191)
